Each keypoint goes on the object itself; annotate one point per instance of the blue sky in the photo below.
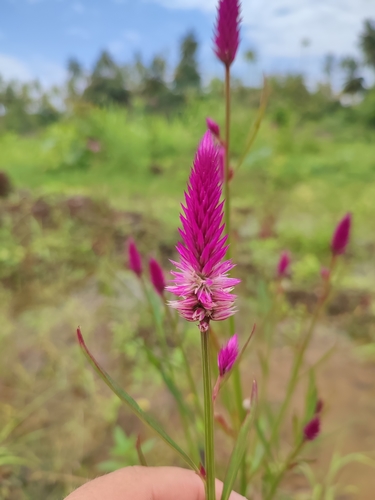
(38, 36)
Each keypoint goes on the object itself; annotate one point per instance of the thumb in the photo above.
(147, 483)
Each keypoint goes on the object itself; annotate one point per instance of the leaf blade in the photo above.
(132, 404)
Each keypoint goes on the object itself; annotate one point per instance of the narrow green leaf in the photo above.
(131, 403)
(173, 389)
(141, 457)
(258, 121)
(311, 397)
(263, 439)
(239, 448)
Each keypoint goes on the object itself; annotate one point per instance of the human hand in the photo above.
(147, 483)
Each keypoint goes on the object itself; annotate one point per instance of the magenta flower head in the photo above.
(135, 263)
(341, 235)
(312, 429)
(227, 355)
(227, 32)
(213, 127)
(283, 264)
(201, 280)
(157, 276)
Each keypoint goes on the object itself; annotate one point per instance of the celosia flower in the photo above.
(213, 127)
(283, 264)
(202, 280)
(157, 276)
(227, 355)
(135, 263)
(341, 235)
(312, 429)
(227, 33)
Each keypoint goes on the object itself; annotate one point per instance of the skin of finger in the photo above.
(147, 483)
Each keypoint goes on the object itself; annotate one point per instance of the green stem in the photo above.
(236, 371)
(159, 329)
(298, 360)
(285, 467)
(226, 162)
(208, 419)
(192, 385)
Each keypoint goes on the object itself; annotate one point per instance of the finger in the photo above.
(147, 483)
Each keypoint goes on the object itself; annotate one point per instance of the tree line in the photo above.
(26, 106)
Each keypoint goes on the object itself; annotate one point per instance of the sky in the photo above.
(38, 36)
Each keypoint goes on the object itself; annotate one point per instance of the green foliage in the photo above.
(368, 41)
(124, 451)
(187, 75)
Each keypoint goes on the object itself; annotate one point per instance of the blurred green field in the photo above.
(81, 187)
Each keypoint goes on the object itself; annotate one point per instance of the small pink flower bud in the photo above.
(319, 407)
(283, 264)
(213, 127)
(157, 276)
(325, 273)
(227, 355)
(312, 429)
(227, 32)
(134, 259)
(341, 235)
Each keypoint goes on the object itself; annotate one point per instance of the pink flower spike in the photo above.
(283, 264)
(157, 276)
(135, 263)
(201, 280)
(312, 429)
(227, 355)
(227, 31)
(213, 127)
(341, 235)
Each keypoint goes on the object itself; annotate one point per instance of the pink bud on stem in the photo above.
(226, 358)
(228, 355)
(341, 235)
(283, 264)
(312, 429)
(134, 258)
(157, 276)
(213, 127)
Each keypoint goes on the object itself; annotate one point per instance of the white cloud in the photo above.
(127, 39)
(276, 27)
(47, 72)
(78, 8)
(78, 32)
(13, 68)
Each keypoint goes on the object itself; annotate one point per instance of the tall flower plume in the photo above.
(201, 280)
(227, 33)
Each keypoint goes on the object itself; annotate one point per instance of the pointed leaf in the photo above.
(131, 403)
(239, 448)
(258, 121)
